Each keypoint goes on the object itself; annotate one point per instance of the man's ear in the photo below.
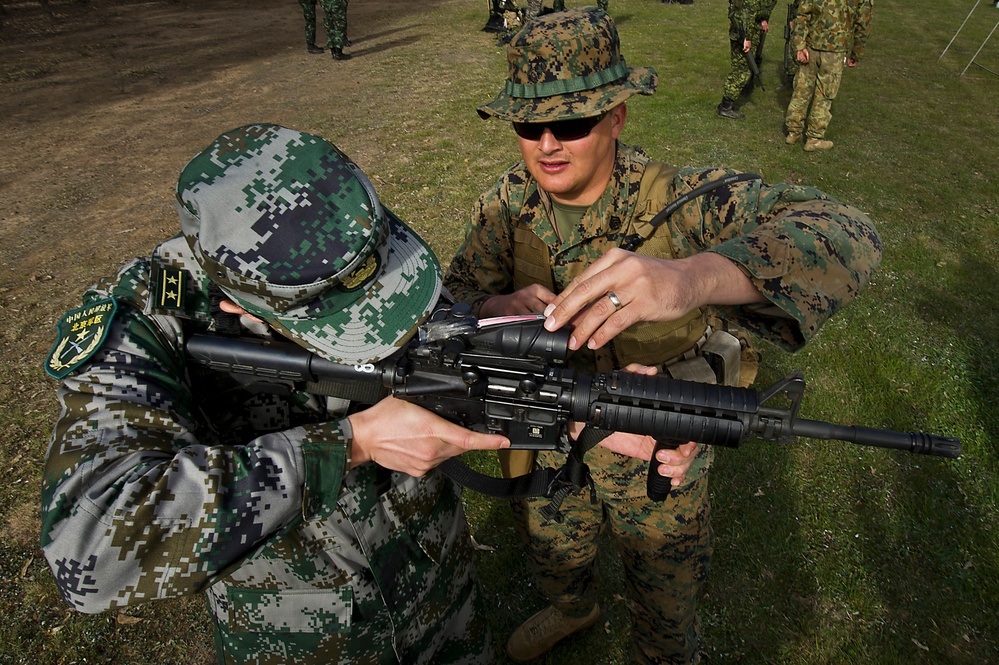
(618, 115)
(229, 307)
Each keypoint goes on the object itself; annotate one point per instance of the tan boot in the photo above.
(792, 138)
(817, 144)
(538, 634)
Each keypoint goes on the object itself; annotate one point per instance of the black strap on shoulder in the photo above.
(632, 242)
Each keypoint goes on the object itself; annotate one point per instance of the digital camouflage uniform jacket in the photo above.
(805, 251)
(161, 483)
(840, 26)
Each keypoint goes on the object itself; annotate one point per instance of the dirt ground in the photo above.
(103, 101)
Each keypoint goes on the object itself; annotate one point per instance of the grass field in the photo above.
(826, 552)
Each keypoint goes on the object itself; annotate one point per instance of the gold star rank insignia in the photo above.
(80, 333)
(170, 288)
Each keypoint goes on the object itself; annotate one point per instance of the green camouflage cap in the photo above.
(567, 65)
(292, 230)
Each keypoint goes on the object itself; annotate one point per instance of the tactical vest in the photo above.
(648, 343)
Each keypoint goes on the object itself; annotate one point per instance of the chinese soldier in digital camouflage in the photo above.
(778, 260)
(161, 481)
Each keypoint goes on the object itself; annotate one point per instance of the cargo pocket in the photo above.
(290, 610)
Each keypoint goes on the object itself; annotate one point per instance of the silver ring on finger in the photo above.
(614, 300)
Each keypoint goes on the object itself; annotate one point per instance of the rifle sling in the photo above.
(549, 483)
(632, 243)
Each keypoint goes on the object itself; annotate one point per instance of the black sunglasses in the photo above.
(562, 130)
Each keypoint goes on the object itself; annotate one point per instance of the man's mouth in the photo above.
(553, 166)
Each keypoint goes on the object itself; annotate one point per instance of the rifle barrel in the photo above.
(913, 442)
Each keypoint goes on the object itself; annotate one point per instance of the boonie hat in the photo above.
(567, 65)
(292, 230)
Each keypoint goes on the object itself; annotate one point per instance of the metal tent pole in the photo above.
(959, 29)
(980, 50)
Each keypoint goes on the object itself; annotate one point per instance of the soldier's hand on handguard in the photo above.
(407, 438)
(528, 300)
(622, 288)
(673, 463)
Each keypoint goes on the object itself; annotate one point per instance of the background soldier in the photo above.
(503, 16)
(161, 482)
(335, 22)
(554, 222)
(309, 10)
(534, 7)
(748, 21)
(827, 34)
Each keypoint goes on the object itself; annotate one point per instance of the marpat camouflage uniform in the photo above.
(807, 253)
(163, 480)
(832, 31)
(745, 19)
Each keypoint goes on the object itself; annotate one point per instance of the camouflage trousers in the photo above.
(309, 11)
(335, 22)
(665, 549)
(739, 74)
(815, 87)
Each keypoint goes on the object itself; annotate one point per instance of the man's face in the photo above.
(575, 172)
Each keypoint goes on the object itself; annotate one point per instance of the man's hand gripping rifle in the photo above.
(507, 375)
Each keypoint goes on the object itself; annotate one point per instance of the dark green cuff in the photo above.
(324, 451)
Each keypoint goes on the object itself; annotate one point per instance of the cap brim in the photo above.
(374, 319)
(569, 106)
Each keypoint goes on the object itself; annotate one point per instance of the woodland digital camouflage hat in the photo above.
(567, 65)
(292, 230)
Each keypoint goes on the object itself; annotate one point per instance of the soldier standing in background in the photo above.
(826, 35)
(320, 532)
(309, 10)
(748, 20)
(534, 7)
(775, 259)
(335, 22)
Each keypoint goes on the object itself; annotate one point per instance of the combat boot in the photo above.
(792, 138)
(338, 54)
(314, 49)
(541, 632)
(727, 110)
(812, 145)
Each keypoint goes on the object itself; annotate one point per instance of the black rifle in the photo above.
(507, 375)
(790, 65)
(754, 57)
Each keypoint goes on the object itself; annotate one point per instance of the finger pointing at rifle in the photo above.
(622, 288)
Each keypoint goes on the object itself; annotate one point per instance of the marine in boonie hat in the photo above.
(292, 231)
(567, 65)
